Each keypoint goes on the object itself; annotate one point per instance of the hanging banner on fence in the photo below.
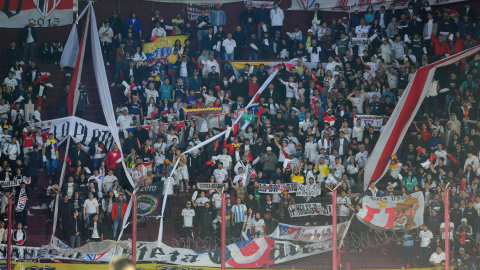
(362, 5)
(82, 131)
(48, 13)
(203, 111)
(310, 209)
(309, 191)
(393, 212)
(206, 186)
(47, 252)
(161, 49)
(307, 233)
(239, 67)
(194, 11)
(359, 41)
(373, 120)
(148, 203)
(246, 254)
(277, 188)
(258, 4)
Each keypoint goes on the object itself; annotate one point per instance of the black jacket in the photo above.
(245, 15)
(190, 68)
(116, 25)
(65, 209)
(74, 157)
(73, 226)
(208, 42)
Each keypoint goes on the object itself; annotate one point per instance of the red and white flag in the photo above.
(45, 13)
(394, 132)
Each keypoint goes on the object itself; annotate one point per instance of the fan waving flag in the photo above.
(394, 132)
(46, 13)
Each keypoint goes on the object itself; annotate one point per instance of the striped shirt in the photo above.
(239, 211)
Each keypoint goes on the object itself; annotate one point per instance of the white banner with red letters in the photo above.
(194, 10)
(362, 5)
(258, 4)
(46, 13)
(393, 212)
(375, 121)
(277, 188)
(307, 233)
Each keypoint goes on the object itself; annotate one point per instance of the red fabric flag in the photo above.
(153, 38)
(319, 88)
(452, 158)
(432, 157)
(256, 97)
(218, 88)
(419, 150)
(260, 110)
(235, 128)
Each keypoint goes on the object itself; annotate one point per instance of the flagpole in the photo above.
(334, 227)
(134, 225)
(222, 232)
(447, 226)
(9, 238)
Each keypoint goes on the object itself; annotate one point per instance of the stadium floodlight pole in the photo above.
(334, 226)
(447, 225)
(9, 238)
(134, 225)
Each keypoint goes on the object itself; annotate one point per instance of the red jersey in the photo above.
(112, 158)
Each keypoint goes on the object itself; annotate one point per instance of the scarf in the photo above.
(22, 200)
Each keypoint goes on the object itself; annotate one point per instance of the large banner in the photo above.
(362, 5)
(148, 203)
(238, 66)
(194, 10)
(373, 120)
(161, 48)
(47, 252)
(309, 191)
(310, 209)
(307, 233)
(277, 188)
(82, 131)
(47, 13)
(393, 212)
(246, 254)
(258, 4)
(208, 186)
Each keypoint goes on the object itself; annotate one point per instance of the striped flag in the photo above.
(403, 115)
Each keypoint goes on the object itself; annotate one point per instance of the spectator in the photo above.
(276, 18)
(74, 230)
(29, 39)
(19, 236)
(118, 213)
(95, 229)
(437, 257)
(188, 214)
(218, 17)
(82, 101)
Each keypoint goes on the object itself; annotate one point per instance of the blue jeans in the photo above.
(168, 208)
(74, 241)
(28, 49)
(247, 29)
(260, 31)
(229, 56)
(407, 255)
(200, 34)
(253, 56)
(116, 223)
(117, 73)
(448, 99)
(87, 220)
(50, 165)
(185, 82)
(96, 162)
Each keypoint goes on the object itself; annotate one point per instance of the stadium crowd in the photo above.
(304, 128)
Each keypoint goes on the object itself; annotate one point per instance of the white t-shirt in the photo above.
(220, 175)
(108, 181)
(437, 258)
(358, 102)
(217, 200)
(259, 231)
(125, 120)
(90, 206)
(450, 233)
(343, 210)
(188, 215)
(229, 45)
(425, 238)
(201, 201)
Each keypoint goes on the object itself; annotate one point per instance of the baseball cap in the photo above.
(310, 30)
(464, 220)
(461, 249)
(269, 148)
(188, 202)
(114, 12)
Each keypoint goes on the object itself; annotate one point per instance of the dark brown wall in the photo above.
(144, 10)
